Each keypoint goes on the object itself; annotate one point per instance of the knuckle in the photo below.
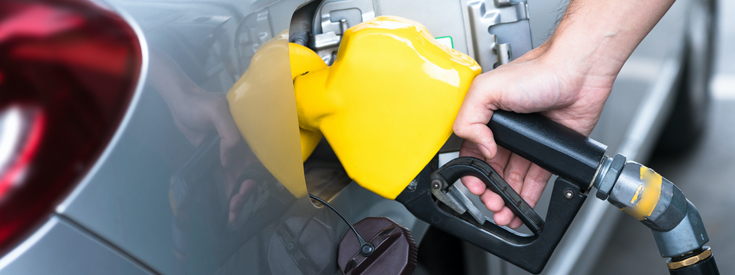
(459, 129)
(537, 178)
(503, 217)
(515, 179)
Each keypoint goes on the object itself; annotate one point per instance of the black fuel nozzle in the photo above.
(548, 144)
(630, 186)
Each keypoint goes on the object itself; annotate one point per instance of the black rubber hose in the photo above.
(553, 146)
(706, 267)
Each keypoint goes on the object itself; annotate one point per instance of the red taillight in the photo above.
(68, 70)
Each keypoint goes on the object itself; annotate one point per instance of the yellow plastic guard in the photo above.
(262, 105)
(388, 102)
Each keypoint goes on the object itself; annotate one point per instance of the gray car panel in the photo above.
(131, 198)
(126, 200)
(60, 247)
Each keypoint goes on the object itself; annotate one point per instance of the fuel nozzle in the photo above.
(652, 199)
(630, 186)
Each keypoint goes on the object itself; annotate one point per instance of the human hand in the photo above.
(535, 82)
(197, 113)
(567, 79)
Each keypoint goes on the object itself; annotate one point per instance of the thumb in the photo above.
(227, 130)
(479, 134)
(472, 119)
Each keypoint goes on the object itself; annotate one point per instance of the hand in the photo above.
(238, 200)
(197, 113)
(535, 82)
(568, 79)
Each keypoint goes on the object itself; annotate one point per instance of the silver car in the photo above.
(119, 154)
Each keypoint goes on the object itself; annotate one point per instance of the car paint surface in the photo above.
(126, 199)
(60, 247)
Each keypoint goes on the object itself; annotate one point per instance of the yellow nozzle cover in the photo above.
(388, 103)
(262, 105)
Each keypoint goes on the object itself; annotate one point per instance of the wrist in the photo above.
(594, 53)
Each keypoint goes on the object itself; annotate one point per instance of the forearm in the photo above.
(596, 37)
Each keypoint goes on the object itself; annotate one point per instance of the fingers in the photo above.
(529, 84)
(500, 161)
(515, 223)
(480, 134)
(515, 171)
(239, 199)
(534, 184)
(224, 124)
(503, 217)
(475, 185)
(474, 114)
(492, 201)
(514, 175)
(525, 178)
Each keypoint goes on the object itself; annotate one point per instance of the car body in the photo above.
(156, 196)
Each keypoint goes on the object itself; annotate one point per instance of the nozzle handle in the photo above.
(553, 146)
(530, 252)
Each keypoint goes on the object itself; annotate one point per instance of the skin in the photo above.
(568, 79)
(196, 113)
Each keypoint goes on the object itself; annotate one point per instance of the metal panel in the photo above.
(59, 247)
(197, 50)
(442, 18)
(162, 191)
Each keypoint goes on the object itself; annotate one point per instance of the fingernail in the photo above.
(515, 223)
(485, 151)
